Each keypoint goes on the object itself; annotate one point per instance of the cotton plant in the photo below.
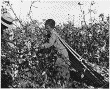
(24, 50)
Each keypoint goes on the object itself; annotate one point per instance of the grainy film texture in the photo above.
(54, 44)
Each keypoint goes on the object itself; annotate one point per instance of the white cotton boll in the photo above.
(82, 32)
(70, 32)
(98, 69)
(36, 49)
(34, 54)
(29, 53)
(90, 35)
(83, 44)
(37, 62)
(11, 45)
(82, 75)
(59, 82)
(91, 87)
(43, 73)
(103, 49)
(15, 73)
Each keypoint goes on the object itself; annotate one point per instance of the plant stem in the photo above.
(15, 14)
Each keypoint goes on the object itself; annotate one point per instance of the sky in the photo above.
(59, 10)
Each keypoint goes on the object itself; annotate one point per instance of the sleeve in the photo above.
(51, 41)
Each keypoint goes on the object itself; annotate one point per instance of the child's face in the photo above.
(48, 28)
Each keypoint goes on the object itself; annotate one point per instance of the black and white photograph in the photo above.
(55, 43)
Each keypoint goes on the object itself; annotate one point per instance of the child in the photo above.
(55, 41)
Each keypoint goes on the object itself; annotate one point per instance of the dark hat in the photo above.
(6, 19)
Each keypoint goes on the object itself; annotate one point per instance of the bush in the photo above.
(31, 66)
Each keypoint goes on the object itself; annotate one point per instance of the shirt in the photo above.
(54, 40)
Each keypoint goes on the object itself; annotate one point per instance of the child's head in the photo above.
(50, 24)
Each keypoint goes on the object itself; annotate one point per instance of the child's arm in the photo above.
(51, 41)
